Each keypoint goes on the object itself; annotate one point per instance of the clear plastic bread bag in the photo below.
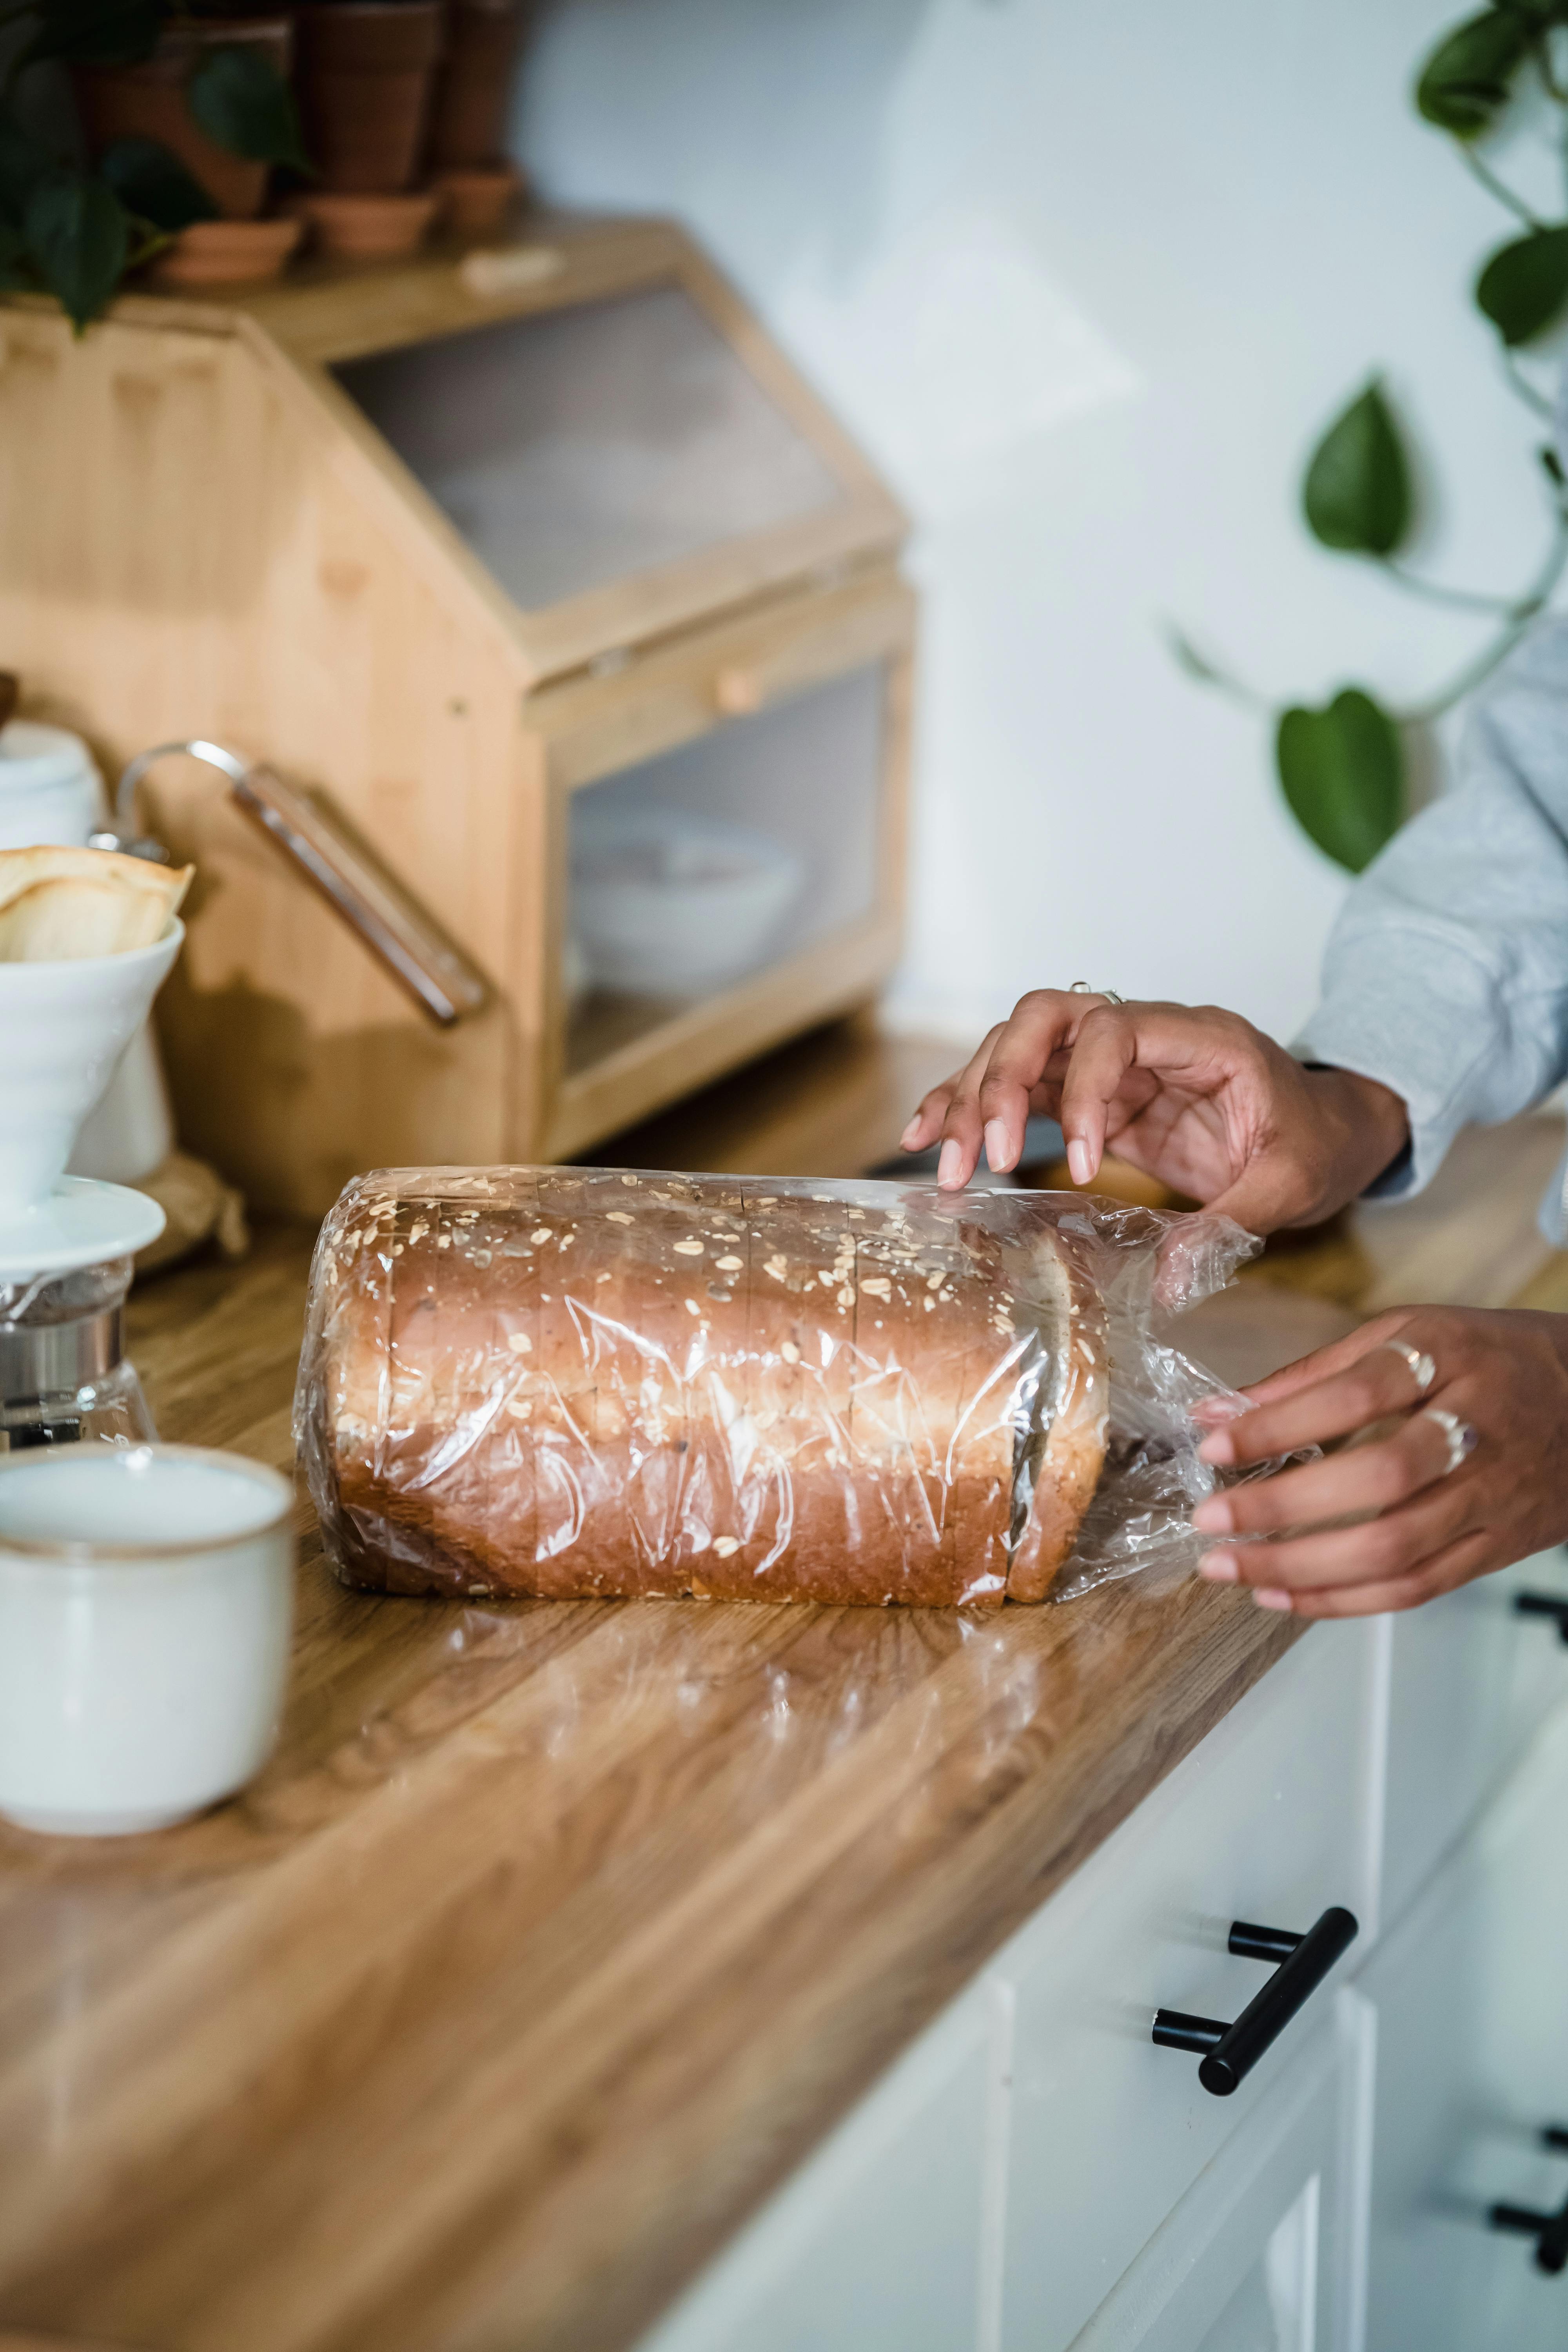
(606, 1381)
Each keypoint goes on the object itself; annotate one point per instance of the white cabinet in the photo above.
(877, 2242)
(1271, 1819)
(1470, 1681)
(1000, 2179)
(1260, 2253)
(1470, 1994)
(1036, 2174)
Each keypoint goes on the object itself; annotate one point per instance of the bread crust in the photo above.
(1074, 1453)
(604, 1383)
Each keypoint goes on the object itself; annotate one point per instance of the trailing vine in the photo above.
(1341, 765)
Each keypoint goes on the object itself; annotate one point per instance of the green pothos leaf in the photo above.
(78, 239)
(1356, 496)
(1466, 80)
(1523, 289)
(1343, 771)
(243, 102)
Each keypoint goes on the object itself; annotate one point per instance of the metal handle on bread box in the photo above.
(1229, 2053)
(1550, 2230)
(1543, 1604)
(395, 928)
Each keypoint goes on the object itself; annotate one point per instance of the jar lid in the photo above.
(35, 758)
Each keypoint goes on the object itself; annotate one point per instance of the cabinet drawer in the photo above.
(1271, 1819)
(1259, 2251)
(1469, 1682)
(1472, 2062)
(876, 2241)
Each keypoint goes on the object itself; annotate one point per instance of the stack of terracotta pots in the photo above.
(469, 116)
(404, 104)
(390, 88)
(148, 102)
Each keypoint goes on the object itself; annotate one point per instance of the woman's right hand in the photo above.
(1194, 1095)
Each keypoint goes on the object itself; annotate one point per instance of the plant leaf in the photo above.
(154, 184)
(14, 264)
(79, 237)
(1464, 82)
(1523, 288)
(22, 163)
(1342, 770)
(96, 32)
(245, 106)
(1356, 495)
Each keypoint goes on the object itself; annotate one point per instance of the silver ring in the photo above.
(1423, 1369)
(1082, 988)
(1462, 1439)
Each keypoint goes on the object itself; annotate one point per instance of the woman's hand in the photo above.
(1503, 1375)
(1196, 1097)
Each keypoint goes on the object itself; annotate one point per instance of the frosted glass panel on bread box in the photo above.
(693, 872)
(579, 446)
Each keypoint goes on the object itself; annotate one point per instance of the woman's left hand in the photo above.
(1435, 1506)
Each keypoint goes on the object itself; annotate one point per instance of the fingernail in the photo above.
(950, 1161)
(1219, 1567)
(1220, 1447)
(907, 1140)
(1079, 1161)
(1214, 1517)
(997, 1153)
(1268, 1596)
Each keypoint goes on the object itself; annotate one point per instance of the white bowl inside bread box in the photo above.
(541, 570)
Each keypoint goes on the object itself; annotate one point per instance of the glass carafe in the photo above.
(63, 1379)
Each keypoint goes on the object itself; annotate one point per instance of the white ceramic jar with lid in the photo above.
(49, 788)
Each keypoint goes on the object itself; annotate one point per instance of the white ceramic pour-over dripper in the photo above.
(51, 791)
(63, 1026)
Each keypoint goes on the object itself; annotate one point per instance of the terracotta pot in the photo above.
(227, 253)
(472, 104)
(474, 203)
(368, 228)
(365, 76)
(148, 102)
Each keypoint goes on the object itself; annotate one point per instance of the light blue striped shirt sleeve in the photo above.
(1445, 976)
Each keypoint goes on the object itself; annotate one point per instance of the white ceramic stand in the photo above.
(81, 1223)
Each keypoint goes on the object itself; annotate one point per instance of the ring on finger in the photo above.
(1422, 1368)
(1462, 1438)
(1082, 988)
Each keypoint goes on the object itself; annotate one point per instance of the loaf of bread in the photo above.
(574, 1382)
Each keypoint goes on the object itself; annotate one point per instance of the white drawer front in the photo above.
(1469, 1682)
(876, 2241)
(1271, 1819)
(1472, 2061)
(1260, 2251)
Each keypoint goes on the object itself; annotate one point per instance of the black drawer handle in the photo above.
(1229, 2053)
(1550, 2230)
(1543, 1604)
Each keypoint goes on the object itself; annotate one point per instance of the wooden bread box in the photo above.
(544, 568)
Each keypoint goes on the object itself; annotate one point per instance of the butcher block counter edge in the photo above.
(552, 1939)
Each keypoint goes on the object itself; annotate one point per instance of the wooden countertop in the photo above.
(553, 1934)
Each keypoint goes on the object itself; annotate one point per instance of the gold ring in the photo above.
(1423, 1368)
(1462, 1439)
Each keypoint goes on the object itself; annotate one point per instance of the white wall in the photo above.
(1088, 281)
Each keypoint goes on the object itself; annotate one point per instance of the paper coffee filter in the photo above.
(56, 905)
